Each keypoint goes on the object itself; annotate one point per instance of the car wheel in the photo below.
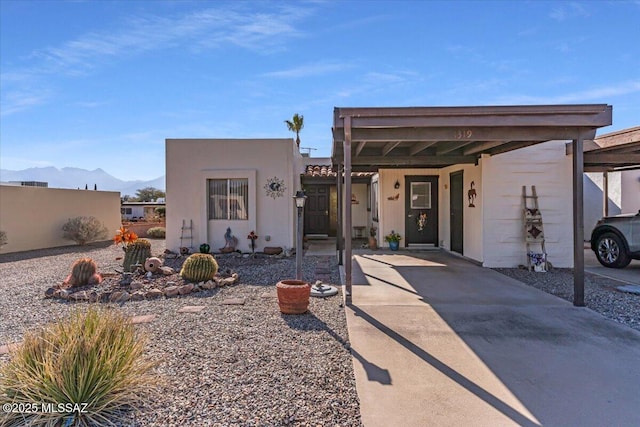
(610, 251)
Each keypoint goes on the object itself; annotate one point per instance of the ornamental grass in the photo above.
(92, 362)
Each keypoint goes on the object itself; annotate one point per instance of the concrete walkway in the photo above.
(438, 341)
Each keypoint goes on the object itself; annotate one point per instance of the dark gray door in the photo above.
(316, 209)
(457, 208)
(421, 207)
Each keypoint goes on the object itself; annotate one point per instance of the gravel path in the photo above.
(244, 365)
(600, 292)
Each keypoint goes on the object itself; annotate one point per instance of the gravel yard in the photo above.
(226, 365)
(600, 293)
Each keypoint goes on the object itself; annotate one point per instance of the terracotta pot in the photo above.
(373, 243)
(293, 296)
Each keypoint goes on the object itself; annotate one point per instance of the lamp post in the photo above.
(299, 198)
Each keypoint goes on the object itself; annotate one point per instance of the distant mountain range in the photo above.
(79, 178)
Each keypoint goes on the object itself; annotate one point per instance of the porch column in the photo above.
(605, 193)
(339, 213)
(347, 213)
(578, 222)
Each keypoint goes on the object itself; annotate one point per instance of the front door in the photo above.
(316, 209)
(421, 196)
(456, 211)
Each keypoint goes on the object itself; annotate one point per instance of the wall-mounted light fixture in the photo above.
(396, 185)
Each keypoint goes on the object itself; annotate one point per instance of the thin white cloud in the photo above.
(308, 70)
(17, 101)
(595, 94)
(206, 29)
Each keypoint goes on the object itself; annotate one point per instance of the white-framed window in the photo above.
(420, 195)
(125, 211)
(228, 198)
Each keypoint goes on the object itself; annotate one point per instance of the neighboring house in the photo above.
(620, 183)
(239, 184)
(138, 211)
(455, 187)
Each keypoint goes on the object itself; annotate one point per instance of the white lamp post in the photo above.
(299, 198)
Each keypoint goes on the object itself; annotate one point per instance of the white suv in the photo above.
(616, 240)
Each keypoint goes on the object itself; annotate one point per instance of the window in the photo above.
(125, 211)
(374, 201)
(229, 199)
(420, 195)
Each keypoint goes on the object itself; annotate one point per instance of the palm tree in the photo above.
(295, 125)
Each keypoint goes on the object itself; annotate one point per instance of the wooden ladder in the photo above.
(186, 233)
(534, 230)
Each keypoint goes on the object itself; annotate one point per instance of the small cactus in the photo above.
(136, 252)
(199, 268)
(83, 272)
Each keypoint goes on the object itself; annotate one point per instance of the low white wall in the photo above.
(33, 217)
(190, 162)
(630, 198)
(548, 168)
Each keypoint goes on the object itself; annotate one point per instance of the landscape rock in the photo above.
(154, 293)
(135, 285)
(137, 296)
(186, 289)
(171, 291)
(167, 271)
(119, 296)
(50, 292)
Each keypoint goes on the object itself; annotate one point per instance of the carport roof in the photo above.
(443, 136)
(613, 151)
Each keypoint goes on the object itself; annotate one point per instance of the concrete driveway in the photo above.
(628, 275)
(438, 341)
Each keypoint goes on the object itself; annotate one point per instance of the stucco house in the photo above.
(445, 177)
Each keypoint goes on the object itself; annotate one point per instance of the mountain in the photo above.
(78, 178)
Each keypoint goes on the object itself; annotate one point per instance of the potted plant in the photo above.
(373, 242)
(293, 296)
(393, 239)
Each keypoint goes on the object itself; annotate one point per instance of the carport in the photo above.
(612, 152)
(366, 139)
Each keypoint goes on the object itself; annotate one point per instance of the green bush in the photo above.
(93, 357)
(157, 232)
(3, 238)
(84, 229)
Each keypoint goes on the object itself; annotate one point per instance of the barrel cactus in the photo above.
(83, 272)
(199, 268)
(136, 252)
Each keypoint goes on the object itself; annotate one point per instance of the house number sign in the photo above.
(463, 134)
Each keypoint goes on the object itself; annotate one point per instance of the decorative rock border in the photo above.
(142, 287)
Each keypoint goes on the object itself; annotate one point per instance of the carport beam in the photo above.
(578, 222)
(339, 214)
(347, 205)
(605, 193)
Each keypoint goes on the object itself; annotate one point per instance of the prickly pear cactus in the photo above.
(83, 272)
(199, 268)
(136, 253)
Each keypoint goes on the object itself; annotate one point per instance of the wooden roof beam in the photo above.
(612, 159)
(452, 147)
(420, 146)
(480, 147)
(360, 146)
(389, 147)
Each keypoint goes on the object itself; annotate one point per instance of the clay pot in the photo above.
(293, 296)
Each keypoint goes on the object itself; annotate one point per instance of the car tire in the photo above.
(610, 251)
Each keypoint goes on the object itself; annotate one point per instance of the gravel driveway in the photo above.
(227, 365)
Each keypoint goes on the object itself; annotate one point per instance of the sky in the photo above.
(102, 84)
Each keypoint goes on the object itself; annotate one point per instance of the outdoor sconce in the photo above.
(300, 198)
(396, 185)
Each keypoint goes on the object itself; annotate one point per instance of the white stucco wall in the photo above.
(191, 162)
(630, 199)
(548, 168)
(33, 217)
(593, 185)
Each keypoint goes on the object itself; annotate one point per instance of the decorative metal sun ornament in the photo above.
(274, 187)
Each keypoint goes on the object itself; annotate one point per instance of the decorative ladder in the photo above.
(186, 233)
(534, 230)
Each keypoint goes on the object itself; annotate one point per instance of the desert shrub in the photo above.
(161, 211)
(3, 238)
(157, 232)
(84, 229)
(93, 357)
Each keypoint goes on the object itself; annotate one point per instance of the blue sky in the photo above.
(102, 83)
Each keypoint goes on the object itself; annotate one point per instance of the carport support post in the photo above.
(347, 205)
(578, 222)
(605, 193)
(339, 213)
